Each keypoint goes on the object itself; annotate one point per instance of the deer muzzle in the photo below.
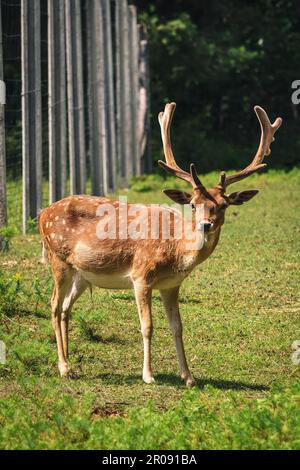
(205, 225)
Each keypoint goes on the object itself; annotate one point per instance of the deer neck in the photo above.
(200, 249)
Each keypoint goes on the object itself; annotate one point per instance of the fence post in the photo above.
(89, 61)
(31, 109)
(97, 149)
(89, 14)
(99, 40)
(117, 40)
(79, 95)
(134, 81)
(76, 129)
(57, 100)
(144, 102)
(70, 100)
(109, 96)
(3, 209)
(123, 92)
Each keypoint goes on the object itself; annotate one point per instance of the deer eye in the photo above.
(224, 205)
(192, 206)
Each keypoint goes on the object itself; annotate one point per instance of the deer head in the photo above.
(214, 201)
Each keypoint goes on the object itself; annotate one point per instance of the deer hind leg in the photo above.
(77, 287)
(143, 299)
(170, 301)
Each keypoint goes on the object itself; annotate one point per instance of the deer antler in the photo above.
(267, 137)
(165, 120)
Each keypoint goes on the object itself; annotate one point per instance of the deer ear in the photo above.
(238, 198)
(181, 197)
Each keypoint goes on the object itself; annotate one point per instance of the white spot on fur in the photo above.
(52, 236)
(82, 249)
(188, 262)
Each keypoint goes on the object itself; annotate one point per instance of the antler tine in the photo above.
(267, 134)
(165, 120)
(196, 179)
(267, 137)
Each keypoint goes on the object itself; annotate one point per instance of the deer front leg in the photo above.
(65, 318)
(170, 301)
(143, 299)
(56, 305)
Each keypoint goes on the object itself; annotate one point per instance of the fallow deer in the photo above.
(80, 257)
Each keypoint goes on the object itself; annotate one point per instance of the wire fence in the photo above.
(77, 101)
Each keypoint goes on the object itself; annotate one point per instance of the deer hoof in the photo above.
(64, 370)
(148, 379)
(189, 379)
(190, 382)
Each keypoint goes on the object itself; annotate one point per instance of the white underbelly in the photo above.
(169, 282)
(123, 280)
(108, 281)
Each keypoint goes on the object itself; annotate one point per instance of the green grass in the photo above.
(240, 311)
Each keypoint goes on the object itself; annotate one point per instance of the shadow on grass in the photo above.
(155, 297)
(122, 296)
(186, 301)
(231, 385)
(118, 379)
(175, 381)
(109, 339)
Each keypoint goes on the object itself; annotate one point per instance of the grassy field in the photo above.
(240, 311)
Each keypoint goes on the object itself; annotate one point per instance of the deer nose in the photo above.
(205, 225)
